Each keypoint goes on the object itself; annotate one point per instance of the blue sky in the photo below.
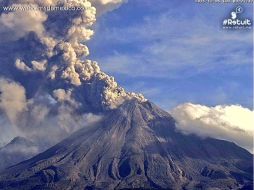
(176, 51)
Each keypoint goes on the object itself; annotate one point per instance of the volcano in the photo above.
(135, 146)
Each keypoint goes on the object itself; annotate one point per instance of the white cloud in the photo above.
(232, 123)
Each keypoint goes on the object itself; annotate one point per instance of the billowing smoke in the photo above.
(55, 88)
(15, 25)
(51, 46)
(12, 99)
(232, 123)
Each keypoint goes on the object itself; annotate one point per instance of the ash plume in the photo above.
(44, 56)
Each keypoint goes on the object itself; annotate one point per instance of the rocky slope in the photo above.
(135, 146)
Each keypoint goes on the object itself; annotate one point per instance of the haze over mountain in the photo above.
(19, 149)
(118, 139)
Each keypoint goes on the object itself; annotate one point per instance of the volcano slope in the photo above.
(135, 146)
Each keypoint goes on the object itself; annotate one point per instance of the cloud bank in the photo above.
(232, 123)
